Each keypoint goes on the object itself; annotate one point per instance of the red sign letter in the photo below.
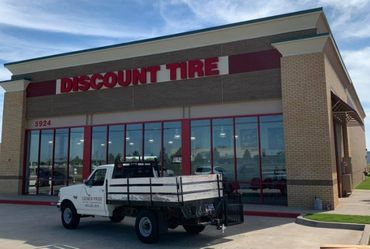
(124, 81)
(93, 82)
(173, 70)
(65, 85)
(195, 67)
(153, 73)
(110, 80)
(211, 66)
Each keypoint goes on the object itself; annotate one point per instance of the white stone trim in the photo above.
(212, 37)
(14, 85)
(302, 46)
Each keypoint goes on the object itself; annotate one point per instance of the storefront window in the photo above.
(248, 151)
(152, 141)
(200, 147)
(273, 159)
(223, 148)
(76, 155)
(60, 160)
(46, 161)
(32, 162)
(115, 143)
(99, 146)
(247, 156)
(134, 141)
(172, 148)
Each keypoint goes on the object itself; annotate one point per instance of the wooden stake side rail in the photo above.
(163, 191)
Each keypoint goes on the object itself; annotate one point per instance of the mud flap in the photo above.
(233, 213)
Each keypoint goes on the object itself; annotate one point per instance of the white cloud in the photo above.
(4, 75)
(13, 48)
(358, 66)
(348, 18)
(58, 18)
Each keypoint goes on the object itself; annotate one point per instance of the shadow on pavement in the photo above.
(41, 227)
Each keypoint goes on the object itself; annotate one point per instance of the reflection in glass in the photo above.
(99, 146)
(115, 143)
(134, 137)
(200, 147)
(172, 148)
(152, 141)
(32, 162)
(273, 159)
(76, 156)
(247, 155)
(46, 159)
(60, 160)
(223, 148)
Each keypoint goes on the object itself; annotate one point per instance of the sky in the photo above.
(35, 28)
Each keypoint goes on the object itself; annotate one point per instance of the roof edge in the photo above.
(171, 35)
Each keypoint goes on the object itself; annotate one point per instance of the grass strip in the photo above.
(365, 184)
(341, 218)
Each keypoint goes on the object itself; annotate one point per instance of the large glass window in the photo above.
(46, 162)
(32, 162)
(99, 146)
(200, 147)
(152, 141)
(115, 143)
(223, 148)
(172, 148)
(273, 159)
(247, 156)
(76, 155)
(60, 160)
(134, 142)
(248, 151)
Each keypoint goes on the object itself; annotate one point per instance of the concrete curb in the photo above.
(365, 238)
(323, 224)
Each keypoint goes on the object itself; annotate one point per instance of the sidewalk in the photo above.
(358, 203)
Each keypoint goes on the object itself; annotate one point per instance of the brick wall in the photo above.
(307, 131)
(11, 157)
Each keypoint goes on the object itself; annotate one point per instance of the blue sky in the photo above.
(34, 28)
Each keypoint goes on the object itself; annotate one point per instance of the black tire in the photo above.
(146, 227)
(116, 218)
(194, 229)
(70, 217)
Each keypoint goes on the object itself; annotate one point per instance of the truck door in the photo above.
(93, 194)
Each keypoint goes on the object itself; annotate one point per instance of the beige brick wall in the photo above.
(338, 84)
(11, 157)
(357, 145)
(309, 161)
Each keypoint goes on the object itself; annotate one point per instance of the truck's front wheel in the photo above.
(146, 226)
(70, 217)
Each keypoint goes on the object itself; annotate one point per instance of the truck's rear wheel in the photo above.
(146, 226)
(194, 229)
(116, 218)
(70, 217)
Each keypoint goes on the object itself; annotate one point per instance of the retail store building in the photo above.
(268, 103)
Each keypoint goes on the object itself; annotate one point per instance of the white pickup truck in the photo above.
(158, 203)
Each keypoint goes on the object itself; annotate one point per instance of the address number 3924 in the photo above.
(42, 123)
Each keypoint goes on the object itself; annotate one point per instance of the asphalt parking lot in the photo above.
(40, 227)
